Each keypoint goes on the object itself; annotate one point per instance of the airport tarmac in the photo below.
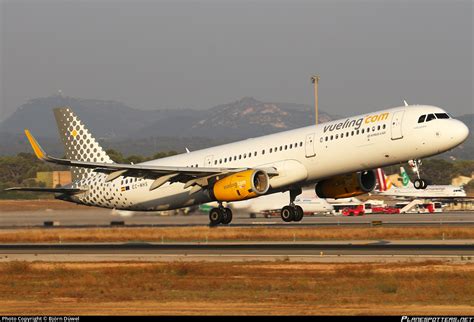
(96, 217)
(454, 250)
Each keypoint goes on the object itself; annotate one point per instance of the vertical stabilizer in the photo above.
(383, 181)
(405, 178)
(78, 142)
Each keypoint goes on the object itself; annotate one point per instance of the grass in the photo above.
(202, 234)
(236, 288)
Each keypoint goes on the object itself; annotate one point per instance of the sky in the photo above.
(198, 54)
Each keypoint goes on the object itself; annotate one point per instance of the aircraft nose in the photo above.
(459, 132)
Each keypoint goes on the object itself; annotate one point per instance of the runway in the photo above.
(311, 251)
(94, 217)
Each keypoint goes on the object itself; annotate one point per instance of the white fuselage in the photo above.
(301, 156)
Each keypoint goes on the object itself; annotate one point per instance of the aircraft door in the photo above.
(397, 119)
(309, 145)
(208, 161)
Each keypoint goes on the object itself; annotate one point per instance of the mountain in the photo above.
(244, 118)
(133, 131)
(106, 118)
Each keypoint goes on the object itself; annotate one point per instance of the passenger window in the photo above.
(357, 132)
(384, 126)
(378, 128)
(337, 136)
(240, 156)
(421, 119)
(430, 117)
(352, 133)
(326, 138)
(301, 143)
(368, 129)
(263, 152)
(291, 146)
(362, 131)
(271, 150)
(281, 147)
(286, 147)
(331, 137)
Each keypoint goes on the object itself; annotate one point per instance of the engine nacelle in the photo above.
(346, 186)
(240, 186)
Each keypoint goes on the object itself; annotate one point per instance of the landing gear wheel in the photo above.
(299, 213)
(424, 184)
(216, 215)
(288, 213)
(227, 216)
(420, 184)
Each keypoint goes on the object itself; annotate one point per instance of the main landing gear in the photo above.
(418, 183)
(220, 215)
(292, 212)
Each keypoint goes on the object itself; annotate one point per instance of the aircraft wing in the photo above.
(162, 174)
(69, 191)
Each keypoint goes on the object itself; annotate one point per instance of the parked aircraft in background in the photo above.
(408, 190)
(336, 157)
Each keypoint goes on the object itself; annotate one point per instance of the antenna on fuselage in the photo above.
(405, 102)
(315, 81)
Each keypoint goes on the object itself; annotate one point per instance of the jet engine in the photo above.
(346, 186)
(242, 185)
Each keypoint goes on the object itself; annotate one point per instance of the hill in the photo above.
(134, 131)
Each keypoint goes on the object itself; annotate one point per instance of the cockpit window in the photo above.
(430, 117)
(442, 116)
(421, 119)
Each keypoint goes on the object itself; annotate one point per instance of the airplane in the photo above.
(336, 157)
(408, 190)
(268, 203)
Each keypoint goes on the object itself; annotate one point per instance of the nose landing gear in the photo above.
(220, 215)
(418, 183)
(292, 212)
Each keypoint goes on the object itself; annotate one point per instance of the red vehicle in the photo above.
(354, 211)
(385, 210)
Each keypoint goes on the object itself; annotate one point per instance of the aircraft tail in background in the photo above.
(405, 178)
(384, 183)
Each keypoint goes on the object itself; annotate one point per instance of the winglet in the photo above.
(40, 154)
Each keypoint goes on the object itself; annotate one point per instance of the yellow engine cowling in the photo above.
(242, 185)
(346, 186)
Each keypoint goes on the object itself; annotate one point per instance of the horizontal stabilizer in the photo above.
(69, 191)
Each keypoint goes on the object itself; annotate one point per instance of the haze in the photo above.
(197, 54)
